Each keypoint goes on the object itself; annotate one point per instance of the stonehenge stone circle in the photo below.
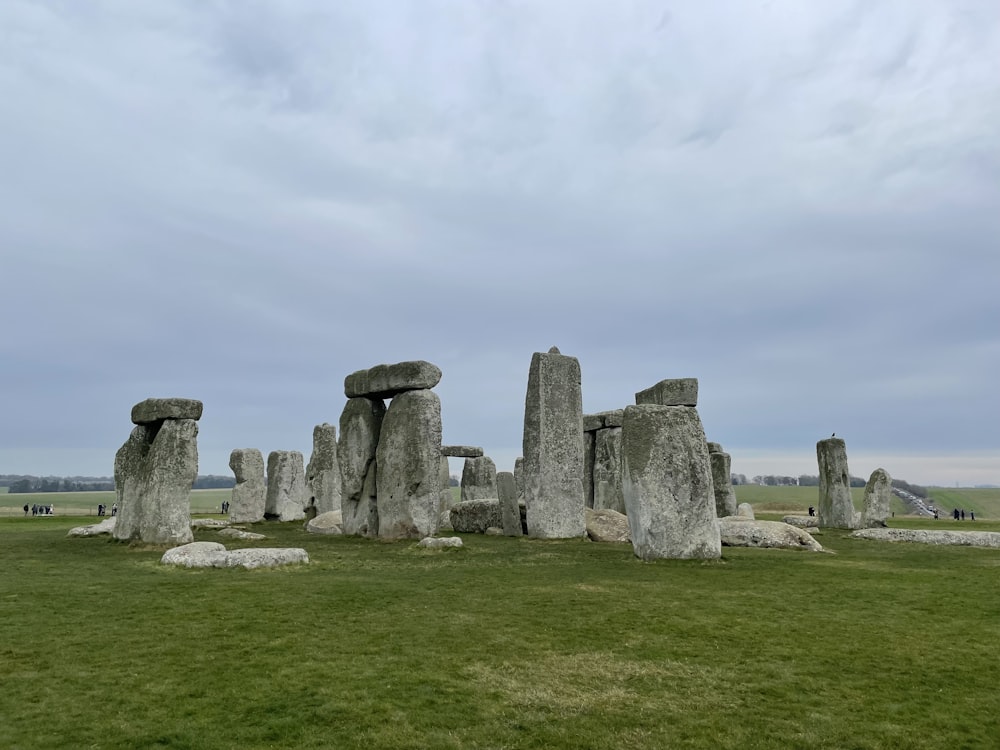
(479, 478)
(408, 466)
(671, 392)
(386, 381)
(553, 447)
(878, 492)
(667, 484)
(725, 495)
(360, 426)
(607, 477)
(461, 451)
(835, 508)
(155, 470)
(249, 497)
(323, 472)
(510, 510)
(286, 486)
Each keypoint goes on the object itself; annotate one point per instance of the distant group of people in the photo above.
(102, 509)
(959, 514)
(38, 510)
(225, 507)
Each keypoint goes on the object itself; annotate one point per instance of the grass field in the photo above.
(85, 503)
(508, 643)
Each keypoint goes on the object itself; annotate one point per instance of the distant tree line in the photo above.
(20, 483)
(913, 489)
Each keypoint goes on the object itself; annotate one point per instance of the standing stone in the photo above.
(408, 462)
(360, 426)
(154, 472)
(589, 444)
(722, 482)
(250, 493)
(444, 477)
(286, 486)
(668, 484)
(553, 447)
(323, 472)
(673, 392)
(510, 511)
(836, 510)
(878, 492)
(479, 479)
(608, 493)
(519, 476)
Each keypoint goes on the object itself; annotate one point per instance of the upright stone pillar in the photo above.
(408, 461)
(608, 493)
(323, 472)
(668, 484)
(360, 426)
(445, 482)
(836, 510)
(286, 486)
(250, 493)
(479, 479)
(519, 476)
(510, 509)
(589, 446)
(878, 493)
(553, 447)
(722, 482)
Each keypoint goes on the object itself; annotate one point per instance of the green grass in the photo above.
(85, 503)
(508, 643)
(985, 502)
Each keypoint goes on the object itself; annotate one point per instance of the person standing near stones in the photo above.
(114, 509)
(812, 511)
(25, 510)
(963, 514)
(972, 515)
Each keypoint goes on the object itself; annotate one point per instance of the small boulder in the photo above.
(330, 522)
(247, 536)
(607, 525)
(196, 555)
(736, 531)
(265, 557)
(106, 526)
(440, 542)
(803, 522)
(208, 523)
(745, 510)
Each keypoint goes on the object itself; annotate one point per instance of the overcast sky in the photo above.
(242, 202)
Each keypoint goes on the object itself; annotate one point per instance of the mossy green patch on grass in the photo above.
(505, 643)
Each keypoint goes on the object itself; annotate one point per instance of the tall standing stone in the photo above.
(323, 472)
(836, 510)
(129, 470)
(722, 482)
(250, 493)
(408, 462)
(589, 445)
(444, 477)
(553, 447)
(286, 486)
(878, 493)
(668, 484)
(360, 426)
(519, 476)
(608, 493)
(479, 479)
(510, 510)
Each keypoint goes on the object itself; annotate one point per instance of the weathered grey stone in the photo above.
(154, 472)
(107, 526)
(286, 486)
(743, 532)
(479, 478)
(589, 444)
(408, 460)
(722, 483)
(519, 476)
(745, 510)
(331, 522)
(442, 542)
(249, 496)
(386, 381)
(667, 481)
(154, 410)
(671, 392)
(878, 492)
(265, 557)
(602, 420)
(494, 531)
(925, 536)
(360, 426)
(714, 447)
(444, 521)
(323, 472)
(608, 493)
(196, 555)
(475, 516)
(592, 422)
(835, 507)
(208, 523)
(444, 480)
(510, 512)
(247, 536)
(215, 555)
(605, 525)
(803, 522)
(461, 451)
(553, 448)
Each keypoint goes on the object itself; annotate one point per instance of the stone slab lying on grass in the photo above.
(736, 531)
(104, 527)
(215, 555)
(926, 536)
(440, 542)
(208, 523)
(331, 522)
(606, 525)
(247, 536)
(803, 522)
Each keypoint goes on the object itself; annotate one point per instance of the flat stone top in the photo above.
(157, 409)
(602, 420)
(461, 451)
(671, 392)
(386, 381)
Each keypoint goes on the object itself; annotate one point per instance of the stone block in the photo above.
(386, 381)
(157, 409)
(286, 486)
(671, 392)
(461, 451)
(479, 478)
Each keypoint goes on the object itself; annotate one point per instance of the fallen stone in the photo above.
(360, 426)
(107, 526)
(461, 451)
(208, 523)
(835, 507)
(479, 478)
(989, 539)
(494, 531)
(803, 522)
(475, 516)
(745, 510)
(440, 542)
(265, 557)
(741, 532)
(386, 381)
(249, 497)
(154, 410)
(606, 525)
(671, 392)
(196, 555)
(878, 492)
(331, 522)
(247, 536)
(286, 486)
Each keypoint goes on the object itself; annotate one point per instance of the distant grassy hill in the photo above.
(985, 502)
